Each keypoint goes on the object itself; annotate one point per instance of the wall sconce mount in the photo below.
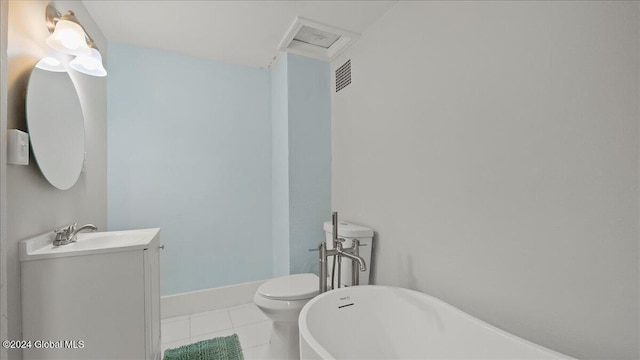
(70, 37)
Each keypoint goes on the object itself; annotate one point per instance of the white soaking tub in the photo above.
(381, 322)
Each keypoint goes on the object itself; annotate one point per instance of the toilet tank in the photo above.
(349, 232)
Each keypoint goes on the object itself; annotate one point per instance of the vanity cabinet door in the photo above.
(97, 299)
(152, 300)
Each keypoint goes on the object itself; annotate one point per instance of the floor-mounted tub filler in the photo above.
(381, 322)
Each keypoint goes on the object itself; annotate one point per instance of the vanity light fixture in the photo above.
(50, 64)
(70, 37)
(90, 65)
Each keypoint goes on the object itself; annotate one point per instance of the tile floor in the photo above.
(252, 327)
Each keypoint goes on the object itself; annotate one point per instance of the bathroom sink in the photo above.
(41, 247)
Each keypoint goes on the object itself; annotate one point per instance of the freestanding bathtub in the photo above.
(381, 322)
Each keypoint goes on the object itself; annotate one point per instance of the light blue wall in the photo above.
(232, 163)
(309, 158)
(280, 166)
(189, 151)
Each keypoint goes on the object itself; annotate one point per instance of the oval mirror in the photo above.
(56, 126)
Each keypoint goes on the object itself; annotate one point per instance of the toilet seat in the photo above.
(290, 287)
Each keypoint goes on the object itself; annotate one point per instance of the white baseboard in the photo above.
(209, 299)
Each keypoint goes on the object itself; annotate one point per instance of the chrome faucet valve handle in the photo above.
(65, 230)
(60, 234)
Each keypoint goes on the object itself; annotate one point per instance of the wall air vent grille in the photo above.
(343, 75)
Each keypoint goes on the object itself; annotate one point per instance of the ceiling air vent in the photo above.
(316, 37)
(313, 39)
(343, 75)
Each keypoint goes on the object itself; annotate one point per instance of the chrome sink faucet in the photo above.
(68, 234)
(338, 252)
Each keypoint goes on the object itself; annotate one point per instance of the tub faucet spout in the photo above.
(360, 260)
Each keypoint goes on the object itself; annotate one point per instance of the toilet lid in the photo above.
(291, 287)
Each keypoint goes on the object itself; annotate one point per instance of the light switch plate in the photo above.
(18, 147)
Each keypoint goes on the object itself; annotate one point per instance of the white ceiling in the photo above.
(238, 32)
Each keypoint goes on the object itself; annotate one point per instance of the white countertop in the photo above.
(41, 246)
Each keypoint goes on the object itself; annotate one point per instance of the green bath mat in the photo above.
(220, 348)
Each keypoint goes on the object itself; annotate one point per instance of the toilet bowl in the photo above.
(281, 300)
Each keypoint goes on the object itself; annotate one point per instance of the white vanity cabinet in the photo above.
(97, 298)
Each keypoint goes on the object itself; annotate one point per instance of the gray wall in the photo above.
(33, 205)
(493, 146)
(4, 7)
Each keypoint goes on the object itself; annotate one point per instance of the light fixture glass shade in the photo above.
(69, 38)
(90, 65)
(50, 64)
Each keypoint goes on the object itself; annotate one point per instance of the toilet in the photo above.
(281, 300)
